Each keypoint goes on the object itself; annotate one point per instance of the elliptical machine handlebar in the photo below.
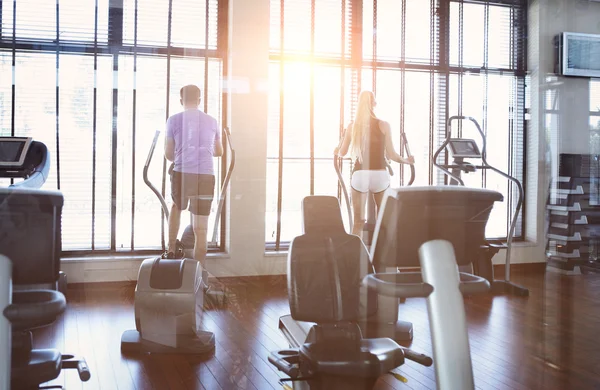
(404, 142)
(163, 203)
(337, 163)
(223, 192)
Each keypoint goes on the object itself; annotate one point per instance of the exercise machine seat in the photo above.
(169, 300)
(34, 309)
(370, 358)
(30, 221)
(321, 214)
(324, 287)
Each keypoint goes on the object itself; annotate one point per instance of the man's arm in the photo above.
(218, 152)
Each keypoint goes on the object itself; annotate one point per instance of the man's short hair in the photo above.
(190, 93)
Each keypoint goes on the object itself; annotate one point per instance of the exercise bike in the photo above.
(330, 285)
(463, 152)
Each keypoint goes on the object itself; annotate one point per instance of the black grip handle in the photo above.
(417, 357)
(285, 361)
(83, 370)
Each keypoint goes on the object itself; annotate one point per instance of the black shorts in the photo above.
(197, 190)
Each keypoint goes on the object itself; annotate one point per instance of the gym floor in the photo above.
(545, 341)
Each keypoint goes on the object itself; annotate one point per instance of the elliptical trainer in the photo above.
(461, 149)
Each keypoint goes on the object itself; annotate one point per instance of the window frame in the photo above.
(115, 47)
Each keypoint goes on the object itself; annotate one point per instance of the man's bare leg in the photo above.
(174, 222)
(200, 226)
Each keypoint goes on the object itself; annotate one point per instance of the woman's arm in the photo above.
(345, 144)
(389, 145)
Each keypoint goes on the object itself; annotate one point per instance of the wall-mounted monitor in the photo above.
(577, 54)
(13, 151)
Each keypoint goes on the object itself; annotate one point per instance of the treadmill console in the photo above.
(464, 148)
(13, 151)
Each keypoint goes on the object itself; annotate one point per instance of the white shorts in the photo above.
(370, 181)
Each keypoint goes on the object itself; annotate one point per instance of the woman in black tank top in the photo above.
(369, 141)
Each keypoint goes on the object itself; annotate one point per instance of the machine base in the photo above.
(133, 343)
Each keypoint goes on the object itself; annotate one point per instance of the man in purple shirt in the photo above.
(193, 139)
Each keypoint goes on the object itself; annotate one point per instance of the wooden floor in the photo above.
(549, 340)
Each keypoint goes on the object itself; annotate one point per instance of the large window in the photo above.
(425, 61)
(94, 83)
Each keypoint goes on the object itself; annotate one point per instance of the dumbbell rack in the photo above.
(573, 235)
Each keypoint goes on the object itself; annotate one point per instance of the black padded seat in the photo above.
(32, 309)
(44, 365)
(371, 359)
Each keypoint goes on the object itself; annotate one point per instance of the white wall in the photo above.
(566, 131)
(246, 82)
(571, 126)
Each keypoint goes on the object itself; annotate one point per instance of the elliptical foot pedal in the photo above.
(214, 297)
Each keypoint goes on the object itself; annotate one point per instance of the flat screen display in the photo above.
(466, 148)
(13, 150)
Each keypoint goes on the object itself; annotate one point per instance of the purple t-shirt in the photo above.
(195, 134)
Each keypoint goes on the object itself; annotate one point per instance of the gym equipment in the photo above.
(24, 158)
(29, 160)
(462, 149)
(371, 214)
(186, 244)
(327, 301)
(31, 215)
(214, 291)
(168, 309)
(170, 294)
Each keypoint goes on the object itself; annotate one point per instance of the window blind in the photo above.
(64, 96)
(304, 126)
(188, 24)
(424, 60)
(37, 20)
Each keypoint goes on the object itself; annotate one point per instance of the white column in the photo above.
(247, 85)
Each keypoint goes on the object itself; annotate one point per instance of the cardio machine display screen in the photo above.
(466, 148)
(13, 150)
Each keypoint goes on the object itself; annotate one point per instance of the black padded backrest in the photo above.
(324, 278)
(410, 216)
(30, 233)
(322, 214)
